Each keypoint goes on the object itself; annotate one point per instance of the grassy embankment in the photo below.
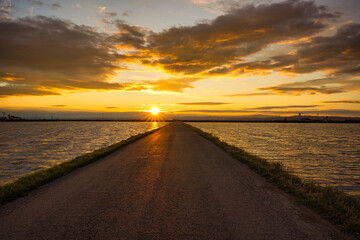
(335, 205)
(24, 185)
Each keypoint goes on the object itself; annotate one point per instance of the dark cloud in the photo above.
(284, 107)
(316, 86)
(331, 85)
(236, 34)
(228, 5)
(126, 13)
(278, 63)
(203, 103)
(111, 14)
(219, 71)
(53, 45)
(343, 101)
(339, 54)
(36, 2)
(160, 85)
(111, 107)
(114, 14)
(52, 53)
(20, 90)
(41, 4)
(249, 94)
(258, 109)
(329, 112)
(130, 36)
(55, 5)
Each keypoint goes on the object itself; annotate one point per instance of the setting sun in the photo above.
(154, 111)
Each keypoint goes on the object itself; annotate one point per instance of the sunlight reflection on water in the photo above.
(26, 147)
(327, 153)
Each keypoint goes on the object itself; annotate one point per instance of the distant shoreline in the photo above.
(212, 121)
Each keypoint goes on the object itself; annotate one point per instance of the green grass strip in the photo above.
(338, 207)
(22, 186)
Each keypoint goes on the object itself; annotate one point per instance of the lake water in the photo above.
(26, 147)
(327, 153)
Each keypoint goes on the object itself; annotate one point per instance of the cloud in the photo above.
(16, 90)
(249, 94)
(42, 52)
(177, 85)
(130, 36)
(101, 9)
(343, 101)
(330, 85)
(6, 8)
(215, 111)
(111, 14)
(111, 107)
(171, 84)
(203, 1)
(316, 86)
(236, 34)
(41, 4)
(283, 107)
(221, 6)
(256, 109)
(58, 105)
(219, 71)
(48, 55)
(55, 5)
(126, 13)
(338, 54)
(36, 2)
(203, 103)
(329, 112)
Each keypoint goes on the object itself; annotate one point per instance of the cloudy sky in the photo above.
(211, 57)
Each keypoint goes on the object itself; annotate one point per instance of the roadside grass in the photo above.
(22, 186)
(338, 207)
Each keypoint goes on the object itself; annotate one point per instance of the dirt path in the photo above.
(172, 184)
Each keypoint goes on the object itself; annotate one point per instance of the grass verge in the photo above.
(338, 207)
(24, 185)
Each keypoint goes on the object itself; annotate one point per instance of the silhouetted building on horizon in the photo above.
(9, 117)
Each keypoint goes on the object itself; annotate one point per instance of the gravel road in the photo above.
(172, 184)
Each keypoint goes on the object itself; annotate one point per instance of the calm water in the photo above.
(26, 147)
(327, 153)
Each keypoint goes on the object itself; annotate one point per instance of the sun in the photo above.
(154, 115)
(154, 111)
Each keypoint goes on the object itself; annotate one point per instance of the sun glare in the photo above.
(154, 111)
(154, 115)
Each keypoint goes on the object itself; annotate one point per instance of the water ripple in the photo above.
(328, 153)
(30, 146)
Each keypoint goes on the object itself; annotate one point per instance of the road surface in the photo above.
(172, 184)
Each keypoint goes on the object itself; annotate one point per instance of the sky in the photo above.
(199, 57)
